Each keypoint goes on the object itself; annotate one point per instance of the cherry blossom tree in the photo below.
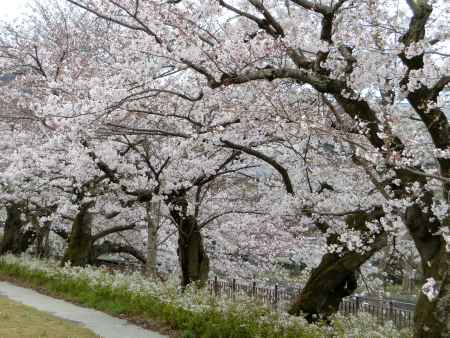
(366, 59)
(161, 106)
(100, 158)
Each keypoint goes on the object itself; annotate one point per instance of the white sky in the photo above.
(10, 9)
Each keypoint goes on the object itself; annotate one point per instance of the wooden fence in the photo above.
(400, 313)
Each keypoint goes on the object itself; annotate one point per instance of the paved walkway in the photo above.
(102, 324)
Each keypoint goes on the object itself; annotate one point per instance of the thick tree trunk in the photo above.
(79, 250)
(332, 280)
(42, 245)
(432, 317)
(335, 277)
(15, 239)
(194, 261)
(153, 219)
(41, 241)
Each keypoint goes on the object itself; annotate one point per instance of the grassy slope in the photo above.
(166, 318)
(171, 319)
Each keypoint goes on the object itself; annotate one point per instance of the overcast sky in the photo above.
(11, 8)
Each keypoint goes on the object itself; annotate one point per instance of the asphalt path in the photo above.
(100, 323)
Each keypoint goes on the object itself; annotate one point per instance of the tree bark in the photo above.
(42, 245)
(432, 316)
(153, 219)
(194, 261)
(193, 258)
(82, 249)
(41, 241)
(335, 277)
(16, 239)
(79, 250)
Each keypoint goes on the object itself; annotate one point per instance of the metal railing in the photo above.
(400, 313)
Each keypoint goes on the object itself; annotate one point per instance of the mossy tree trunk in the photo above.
(193, 258)
(42, 233)
(84, 247)
(79, 250)
(16, 239)
(42, 243)
(336, 275)
(194, 261)
(432, 316)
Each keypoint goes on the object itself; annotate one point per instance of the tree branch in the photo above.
(142, 27)
(272, 162)
(113, 230)
(108, 247)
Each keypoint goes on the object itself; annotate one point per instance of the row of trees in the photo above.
(275, 121)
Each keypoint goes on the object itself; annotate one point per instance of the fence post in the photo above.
(233, 287)
(254, 289)
(391, 309)
(216, 286)
(275, 300)
(357, 305)
(413, 281)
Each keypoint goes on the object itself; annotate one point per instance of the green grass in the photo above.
(206, 324)
(20, 321)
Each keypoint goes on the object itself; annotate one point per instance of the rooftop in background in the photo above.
(7, 77)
